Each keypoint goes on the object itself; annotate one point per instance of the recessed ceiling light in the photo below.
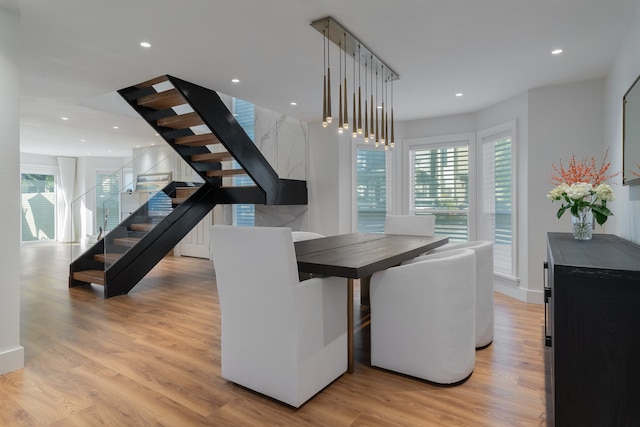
(459, 94)
(64, 118)
(235, 80)
(294, 103)
(83, 140)
(116, 127)
(556, 51)
(145, 44)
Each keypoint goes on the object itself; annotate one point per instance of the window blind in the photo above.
(440, 186)
(244, 112)
(371, 190)
(497, 209)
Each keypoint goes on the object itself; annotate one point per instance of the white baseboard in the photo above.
(510, 288)
(11, 360)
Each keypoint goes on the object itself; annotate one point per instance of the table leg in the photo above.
(350, 343)
(365, 283)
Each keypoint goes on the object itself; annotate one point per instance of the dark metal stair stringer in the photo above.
(122, 276)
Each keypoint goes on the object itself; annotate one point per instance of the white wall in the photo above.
(563, 120)
(624, 71)
(329, 180)
(11, 352)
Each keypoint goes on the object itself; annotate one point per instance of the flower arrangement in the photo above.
(582, 188)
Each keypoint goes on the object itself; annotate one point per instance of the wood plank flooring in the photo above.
(152, 358)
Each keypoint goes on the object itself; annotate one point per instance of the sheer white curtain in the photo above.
(67, 174)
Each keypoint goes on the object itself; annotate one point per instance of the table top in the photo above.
(358, 255)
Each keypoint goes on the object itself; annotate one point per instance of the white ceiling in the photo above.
(76, 53)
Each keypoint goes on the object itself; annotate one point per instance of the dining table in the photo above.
(357, 256)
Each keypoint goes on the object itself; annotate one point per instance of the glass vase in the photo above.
(583, 224)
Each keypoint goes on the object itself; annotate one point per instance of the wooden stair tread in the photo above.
(226, 172)
(212, 157)
(185, 191)
(126, 241)
(152, 82)
(108, 258)
(90, 276)
(181, 121)
(142, 227)
(198, 140)
(162, 100)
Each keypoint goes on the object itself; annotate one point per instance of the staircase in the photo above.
(198, 126)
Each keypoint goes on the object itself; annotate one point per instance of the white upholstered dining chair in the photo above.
(423, 317)
(484, 287)
(280, 337)
(415, 225)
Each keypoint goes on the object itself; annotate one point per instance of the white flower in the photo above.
(579, 190)
(604, 192)
(556, 193)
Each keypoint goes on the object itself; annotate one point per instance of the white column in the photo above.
(11, 352)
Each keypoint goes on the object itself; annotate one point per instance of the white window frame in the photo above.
(354, 179)
(487, 136)
(446, 141)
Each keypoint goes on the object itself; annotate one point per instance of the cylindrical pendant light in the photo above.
(359, 129)
(329, 118)
(393, 137)
(345, 120)
(372, 133)
(354, 127)
(324, 87)
(340, 122)
(366, 95)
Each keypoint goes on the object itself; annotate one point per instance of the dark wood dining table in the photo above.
(358, 256)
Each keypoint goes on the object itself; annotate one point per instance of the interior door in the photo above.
(196, 243)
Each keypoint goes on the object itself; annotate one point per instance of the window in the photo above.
(371, 189)
(439, 185)
(497, 219)
(244, 112)
(107, 200)
(38, 206)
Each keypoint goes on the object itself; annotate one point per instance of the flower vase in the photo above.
(583, 224)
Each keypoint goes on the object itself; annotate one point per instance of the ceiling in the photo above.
(77, 53)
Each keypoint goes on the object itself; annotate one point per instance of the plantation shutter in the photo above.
(244, 112)
(440, 186)
(497, 199)
(371, 190)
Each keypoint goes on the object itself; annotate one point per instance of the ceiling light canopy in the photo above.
(376, 72)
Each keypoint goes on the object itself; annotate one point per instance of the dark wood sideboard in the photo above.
(592, 309)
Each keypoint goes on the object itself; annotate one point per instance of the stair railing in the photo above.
(91, 219)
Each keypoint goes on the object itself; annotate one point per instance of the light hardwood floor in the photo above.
(152, 358)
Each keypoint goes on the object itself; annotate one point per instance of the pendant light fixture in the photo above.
(324, 89)
(366, 94)
(372, 134)
(354, 127)
(345, 120)
(340, 123)
(375, 129)
(359, 129)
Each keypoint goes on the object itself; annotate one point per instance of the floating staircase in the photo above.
(195, 122)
